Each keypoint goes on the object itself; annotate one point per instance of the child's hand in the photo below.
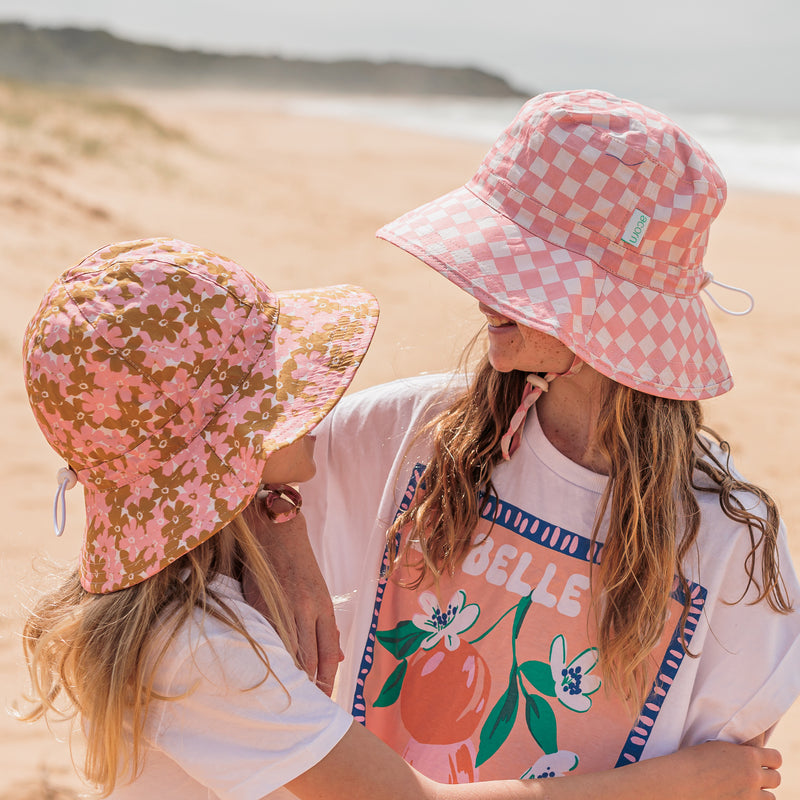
(289, 553)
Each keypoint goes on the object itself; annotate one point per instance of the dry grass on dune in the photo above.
(49, 136)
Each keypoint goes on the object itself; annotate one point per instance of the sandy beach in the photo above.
(297, 201)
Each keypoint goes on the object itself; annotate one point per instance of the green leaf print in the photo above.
(519, 617)
(403, 640)
(391, 689)
(541, 723)
(500, 721)
(540, 676)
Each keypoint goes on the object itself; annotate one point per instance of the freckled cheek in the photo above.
(541, 347)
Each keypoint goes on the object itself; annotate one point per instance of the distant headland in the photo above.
(97, 58)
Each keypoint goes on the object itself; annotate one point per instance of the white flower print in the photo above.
(448, 624)
(574, 683)
(552, 765)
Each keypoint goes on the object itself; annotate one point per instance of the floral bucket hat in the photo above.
(588, 220)
(164, 375)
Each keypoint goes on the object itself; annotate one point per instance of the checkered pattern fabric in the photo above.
(588, 219)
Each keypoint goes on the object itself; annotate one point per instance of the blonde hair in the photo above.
(92, 658)
(655, 449)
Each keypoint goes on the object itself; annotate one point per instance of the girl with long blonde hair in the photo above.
(553, 565)
(180, 391)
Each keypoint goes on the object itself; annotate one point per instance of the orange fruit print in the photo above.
(460, 675)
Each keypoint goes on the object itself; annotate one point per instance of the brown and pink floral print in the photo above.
(165, 374)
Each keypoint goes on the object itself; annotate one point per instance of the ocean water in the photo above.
(761, 153)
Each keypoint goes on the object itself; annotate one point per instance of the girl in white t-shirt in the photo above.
(587, 581)
(179, 390)
(582, 236)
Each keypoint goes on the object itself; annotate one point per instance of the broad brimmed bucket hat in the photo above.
(588, 220)
(164, 375)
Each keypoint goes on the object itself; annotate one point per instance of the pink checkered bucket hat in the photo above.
(165, 375)
(588, 220)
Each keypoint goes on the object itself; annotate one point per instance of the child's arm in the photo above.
(361, 767)
(288, 550)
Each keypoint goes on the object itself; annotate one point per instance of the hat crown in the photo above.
(135, 349)
(165, 375)
(581, 169)
(588, 220)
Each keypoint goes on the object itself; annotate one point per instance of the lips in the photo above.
(494, 319)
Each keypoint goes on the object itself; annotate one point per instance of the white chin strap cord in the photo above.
(66, 480)
(710, 280)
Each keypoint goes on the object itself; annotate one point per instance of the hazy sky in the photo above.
(715, 54)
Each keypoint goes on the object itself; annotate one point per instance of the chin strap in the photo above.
(66, 480)
(534, 386)
(271, 492)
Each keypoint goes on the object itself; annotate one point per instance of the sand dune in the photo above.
(297, 201)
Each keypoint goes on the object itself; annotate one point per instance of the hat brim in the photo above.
(659, 343)
(134, 531)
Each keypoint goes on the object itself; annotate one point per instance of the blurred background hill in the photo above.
(716, 56)
(98, 58)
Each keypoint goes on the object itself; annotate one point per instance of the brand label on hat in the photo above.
(636, 228)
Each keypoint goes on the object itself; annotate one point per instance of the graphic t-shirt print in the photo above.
(493, 674)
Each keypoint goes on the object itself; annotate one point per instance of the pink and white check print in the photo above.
(588, 219)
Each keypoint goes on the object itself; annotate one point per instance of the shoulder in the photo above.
(240, 702)
(421, 389)
(207, 649)
(361, 446)
(708, 491)
(748, 537)
(402, 400)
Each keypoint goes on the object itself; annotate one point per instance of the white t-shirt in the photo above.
(224, 738)
(495, 676)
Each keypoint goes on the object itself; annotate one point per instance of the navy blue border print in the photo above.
(673, 657)
(577, 546)
(359, 709)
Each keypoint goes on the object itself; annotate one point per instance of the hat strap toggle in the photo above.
(710, 279)
(534, 386)
(66, 480)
